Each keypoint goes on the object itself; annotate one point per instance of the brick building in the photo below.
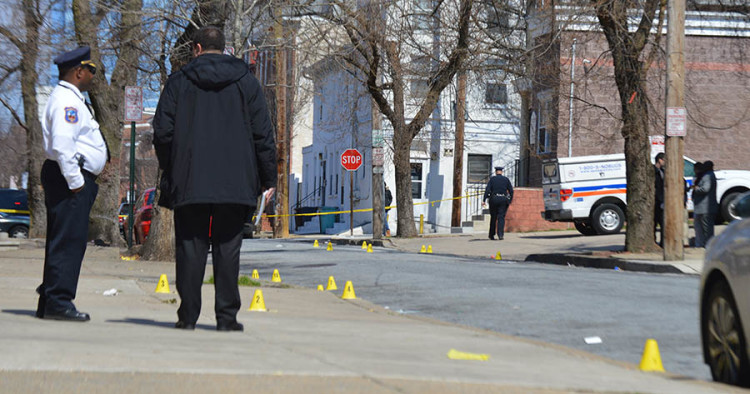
(717, 87)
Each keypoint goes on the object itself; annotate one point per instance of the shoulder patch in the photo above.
(71, 114)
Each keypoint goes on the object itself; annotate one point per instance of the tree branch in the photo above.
(14, 114)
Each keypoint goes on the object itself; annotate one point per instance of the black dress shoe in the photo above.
(184, 326)
(492, 238)
(499, 238)
(42, 304)
(233, 326)
(68, 315)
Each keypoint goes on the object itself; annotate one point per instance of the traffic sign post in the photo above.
(133, 113)
(351, 160)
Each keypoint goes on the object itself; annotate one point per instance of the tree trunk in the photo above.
(34, 141)
(630, 77)
(402, 166)
(159, 245)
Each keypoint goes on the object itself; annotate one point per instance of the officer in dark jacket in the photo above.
(659, 195)
(499, 193)
(213, 139)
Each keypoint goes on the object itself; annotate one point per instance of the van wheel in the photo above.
(584, 227)
(727, 207)
(607, 219)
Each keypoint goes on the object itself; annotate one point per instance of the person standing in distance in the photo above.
(705, 205)
(76, 154)
(214, 142)
(499, 193)
(659, 196)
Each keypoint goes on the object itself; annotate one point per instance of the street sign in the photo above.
(377, 138)
(676, 122)
(351, 159)
(377, 157)
(133, 104)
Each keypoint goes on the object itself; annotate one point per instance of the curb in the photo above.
(588, 261)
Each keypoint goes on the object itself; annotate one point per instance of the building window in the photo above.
(419, 88)
(479, 168)
(496, 93)
(497, 18)
(416, 180)
(543, 143)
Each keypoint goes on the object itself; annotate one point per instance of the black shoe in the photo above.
(68, 315)
(42, 304)
(184, 326)
(492, 237)
(233, 326)
(499, 238)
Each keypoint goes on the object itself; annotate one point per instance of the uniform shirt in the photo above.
(498, 184)
(71, 133)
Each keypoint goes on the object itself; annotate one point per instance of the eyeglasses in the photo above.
(91, 69)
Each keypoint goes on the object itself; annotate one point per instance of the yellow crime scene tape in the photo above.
(16, 211)
(366, 209)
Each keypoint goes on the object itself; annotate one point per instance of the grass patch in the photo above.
(244, 280)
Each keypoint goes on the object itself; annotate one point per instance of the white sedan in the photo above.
(725, 301)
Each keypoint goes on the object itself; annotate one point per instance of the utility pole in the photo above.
(458, 150)
(378, 206)
(281, 224)
(676, 126)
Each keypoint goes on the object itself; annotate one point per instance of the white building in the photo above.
(342, 120)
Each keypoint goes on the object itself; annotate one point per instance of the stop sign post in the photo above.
(351, 160)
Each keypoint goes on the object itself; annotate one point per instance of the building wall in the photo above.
(717, 98)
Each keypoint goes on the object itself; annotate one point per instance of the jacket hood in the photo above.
(214, 71)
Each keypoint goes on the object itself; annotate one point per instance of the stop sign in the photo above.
(351, 159)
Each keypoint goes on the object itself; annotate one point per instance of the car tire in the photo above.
(607, 219)
(584, 227)
(19, 232)
(723, 338)
(727, 207)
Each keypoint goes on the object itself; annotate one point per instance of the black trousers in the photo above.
(191, 226)
(659, 221)
(67, 234)
(497, 219)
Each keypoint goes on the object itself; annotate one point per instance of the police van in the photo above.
(590, 191)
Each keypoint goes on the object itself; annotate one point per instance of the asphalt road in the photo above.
(549, 303)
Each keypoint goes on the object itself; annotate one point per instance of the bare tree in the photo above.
(388, 44)
(28, 44)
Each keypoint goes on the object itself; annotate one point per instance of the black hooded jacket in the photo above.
(213, 135)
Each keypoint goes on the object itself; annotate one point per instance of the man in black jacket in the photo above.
(214, 142)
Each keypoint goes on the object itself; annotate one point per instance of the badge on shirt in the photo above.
(71, 115)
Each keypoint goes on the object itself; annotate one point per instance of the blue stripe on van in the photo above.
(592, 188)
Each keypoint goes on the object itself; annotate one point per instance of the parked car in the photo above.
(725, 301)
(17, 226)
(14, 213)
(122, 216)
(14, 201)
(142, 212)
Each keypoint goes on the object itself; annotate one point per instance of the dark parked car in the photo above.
(14, 213)
(17, 226)
(725, 301)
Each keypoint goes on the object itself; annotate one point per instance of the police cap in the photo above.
(499, 168)
(76, 57)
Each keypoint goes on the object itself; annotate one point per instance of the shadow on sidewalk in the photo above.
(165, 324)
(21, 312)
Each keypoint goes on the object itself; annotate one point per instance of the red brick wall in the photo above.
(524, 213)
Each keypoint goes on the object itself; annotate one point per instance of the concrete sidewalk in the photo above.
(308, 341)
(555, 247)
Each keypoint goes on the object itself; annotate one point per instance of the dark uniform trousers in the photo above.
(497, 219)
(67, 234)
(191, 223)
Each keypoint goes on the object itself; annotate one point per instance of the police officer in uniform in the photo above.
(499, 193)
(76, 154)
